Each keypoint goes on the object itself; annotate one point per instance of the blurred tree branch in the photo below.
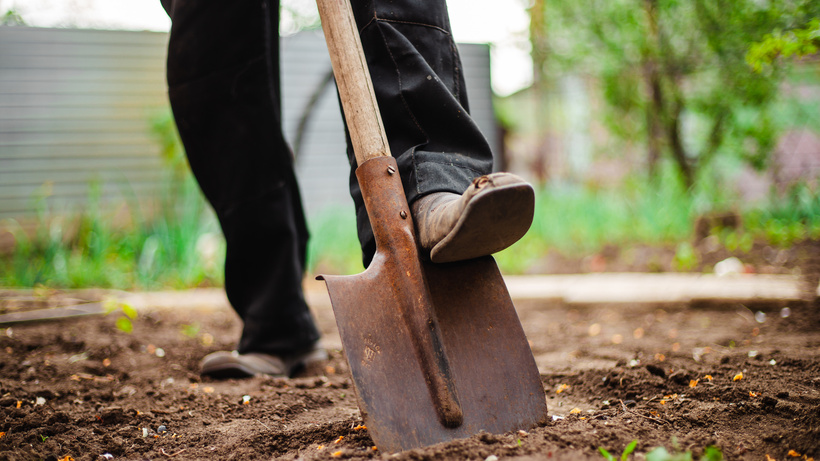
(675, 75)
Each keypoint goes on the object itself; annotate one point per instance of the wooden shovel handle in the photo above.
(364, 122)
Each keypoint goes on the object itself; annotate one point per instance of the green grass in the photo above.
(578, 220)
(783, 222)
(181, 246)
(167, 250)
(624, 456)
(710, 453)
(333, 247)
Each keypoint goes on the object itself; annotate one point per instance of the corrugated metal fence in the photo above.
(76, 106)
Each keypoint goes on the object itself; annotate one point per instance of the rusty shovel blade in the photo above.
(436, 351)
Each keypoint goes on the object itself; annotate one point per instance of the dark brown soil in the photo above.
(666, 376)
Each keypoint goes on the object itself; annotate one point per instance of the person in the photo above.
(224, 89)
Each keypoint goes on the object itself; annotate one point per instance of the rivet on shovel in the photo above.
(403, 214)
(390, 170)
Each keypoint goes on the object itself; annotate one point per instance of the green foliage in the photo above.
(788, 219)
(91, 250)
(177, 244)
(12, 18)
(711, 453)
(685, 257)
(798, 42)
(736, 241)
(624, 456)
(574, 220)
(124, 324)
(581, 220)
(674, 74)
(165, 133)
(334, 246)
(128, 313)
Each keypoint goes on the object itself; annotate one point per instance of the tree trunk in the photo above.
(538, 41)
(676, 145)
(654, 111)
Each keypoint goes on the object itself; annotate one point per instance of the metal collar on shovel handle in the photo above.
(436, 351)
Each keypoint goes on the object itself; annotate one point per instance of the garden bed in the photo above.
(672, 376)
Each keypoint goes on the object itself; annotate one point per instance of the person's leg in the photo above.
(419, 85)
(223, 80)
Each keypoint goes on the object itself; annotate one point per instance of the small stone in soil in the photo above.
(162, 429)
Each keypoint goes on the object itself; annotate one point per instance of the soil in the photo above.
(676, 376)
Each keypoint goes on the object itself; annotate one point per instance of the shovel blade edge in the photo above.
(491, 363)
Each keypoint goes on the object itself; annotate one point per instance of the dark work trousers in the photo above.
(224, 88)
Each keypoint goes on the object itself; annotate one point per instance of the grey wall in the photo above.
(75, 107)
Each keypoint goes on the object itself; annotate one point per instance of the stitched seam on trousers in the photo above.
(375, 18)
(415, 167)
(372, 20)
(432, 26)
(453, 48)
(456, 71)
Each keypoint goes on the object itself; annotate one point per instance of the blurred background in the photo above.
(660, 135)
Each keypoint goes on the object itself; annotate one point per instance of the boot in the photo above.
(225, 364)
(493, 213)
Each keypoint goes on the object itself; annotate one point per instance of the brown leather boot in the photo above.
(493, 213)
(225, 364)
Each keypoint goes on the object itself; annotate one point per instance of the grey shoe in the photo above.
(493, 213)
(224, 364)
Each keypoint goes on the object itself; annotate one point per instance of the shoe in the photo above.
(494, 212)
(224, 364)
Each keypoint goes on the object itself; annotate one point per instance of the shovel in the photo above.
(436, 351)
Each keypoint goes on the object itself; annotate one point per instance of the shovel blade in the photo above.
(491, 366)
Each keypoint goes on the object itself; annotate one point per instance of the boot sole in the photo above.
(491, 222)
(227, 367)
